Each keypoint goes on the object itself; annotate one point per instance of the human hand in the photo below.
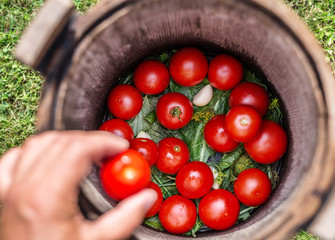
(39, 189)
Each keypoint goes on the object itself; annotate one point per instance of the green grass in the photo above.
(320, 18)
(20, 87)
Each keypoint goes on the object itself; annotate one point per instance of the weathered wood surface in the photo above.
(266, 36)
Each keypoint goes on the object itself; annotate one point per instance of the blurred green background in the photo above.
(20, 87)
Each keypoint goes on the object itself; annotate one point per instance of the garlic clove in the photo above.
(143, 134)
(204, 96)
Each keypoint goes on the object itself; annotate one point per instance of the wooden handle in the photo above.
(43, 32)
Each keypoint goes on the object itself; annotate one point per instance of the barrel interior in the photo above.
(247, 31)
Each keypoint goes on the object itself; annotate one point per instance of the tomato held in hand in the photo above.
(147, 148)
(173, 153)
(157, 205)
(178, 214)
(125, 174)
(151, 77)
(251, 94)
(252, 187)
(119, 128)
(242, 123)
(124, 101)
(188, 66)
(224, 72)
(269, 144)
(219, 209)
(174, 110)
(194, 180)
(216, 137)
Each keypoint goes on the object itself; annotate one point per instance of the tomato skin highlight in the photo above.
(269, 145)
(224, 72)
(124, 102)
(173, 153)
(252, 187)
(188, 66)
(174, 110)
(242, 123)
(251, 94)
(194, 180)
(216, 137)
(125, 174)
(151, 77)
(219, 209)
(178, 214)
(147, 148)
(157, 205)
(119, 128)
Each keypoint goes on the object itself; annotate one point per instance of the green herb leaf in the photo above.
(227, 180)
(193, 135)
(245, 212)
(161, 178)
(228, 159)
(198, 224)
(139, 123)
(245, 162)
(251, 77)
(274, 113)
(154, 222)
(157, 132)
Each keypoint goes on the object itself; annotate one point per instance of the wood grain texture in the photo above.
(43, 31)
(266, 37)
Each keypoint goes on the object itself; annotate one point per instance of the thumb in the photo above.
(122, 221)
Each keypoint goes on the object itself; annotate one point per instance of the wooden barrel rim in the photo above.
(323, 164)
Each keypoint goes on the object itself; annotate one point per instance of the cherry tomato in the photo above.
(194, 180)
(224, 72)
(188, 66)
(178, 214)
(151, 77)
(252, 187)
(242, 123)
(157, 205)
(269, 144)
(251, 94)
(173, 153)
(125, 174)
(174, 110)
(124, 101)
(216, 137)
(219, 209)
(119, 128)
(147, 148)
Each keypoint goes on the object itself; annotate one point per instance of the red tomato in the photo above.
(250, 94)
(124, 101)
(242, 123)
(269, 144)
(151, 77)
(147, 148)
(252, 187)
(173, 153)
(188, 66)
(174, 110)
(178, 214)
(125, 174)
(224, 72)
(155, 208)
(219, 209)
(194, 180)
(216, 137)
(119, 128)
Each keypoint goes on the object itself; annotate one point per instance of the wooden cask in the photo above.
(83, 57)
